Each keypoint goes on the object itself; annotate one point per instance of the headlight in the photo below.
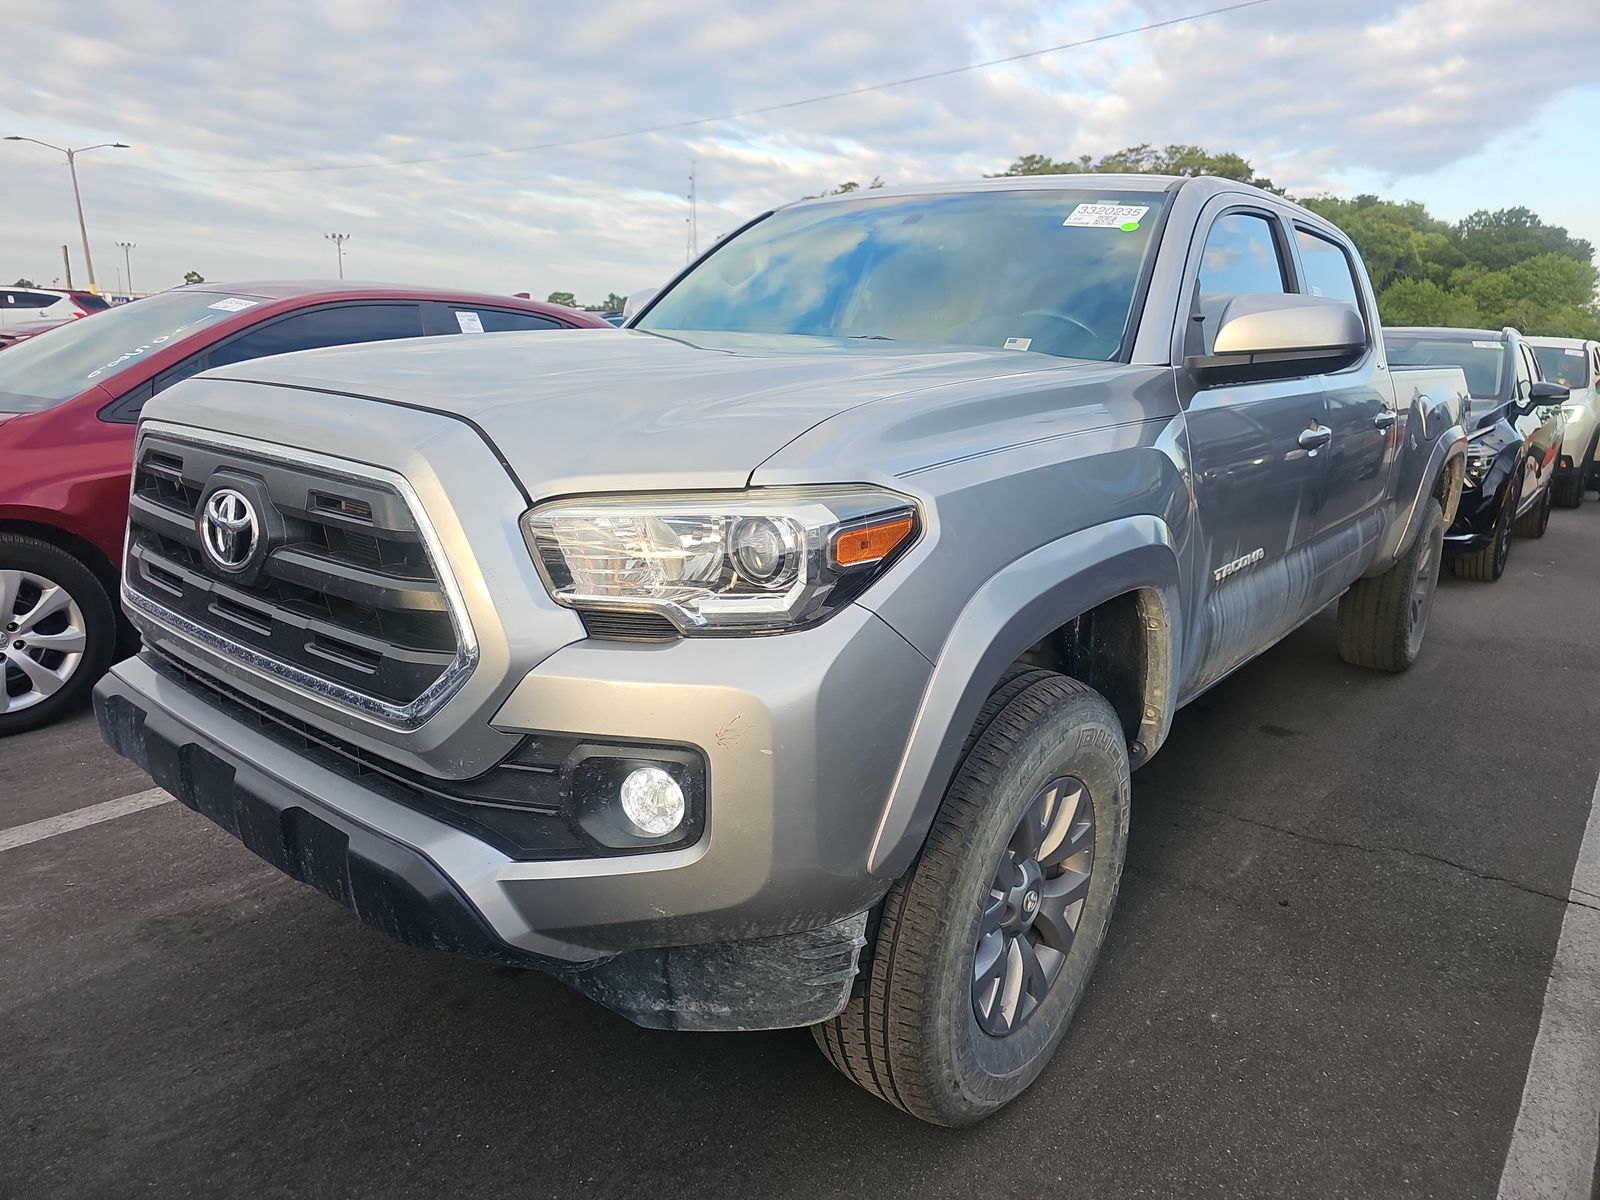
(1573, 412)
(731, 562)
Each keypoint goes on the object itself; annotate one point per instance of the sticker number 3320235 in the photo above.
(1108, 216)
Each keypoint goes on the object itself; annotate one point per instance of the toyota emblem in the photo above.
(229, 529)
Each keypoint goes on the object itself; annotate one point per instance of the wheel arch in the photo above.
(63, 539)
(1100, 604)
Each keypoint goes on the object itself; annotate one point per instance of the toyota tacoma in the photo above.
(782, 660)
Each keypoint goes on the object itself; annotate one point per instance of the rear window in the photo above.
(1566, 365)
(89, 302)
(1482, 360)
(55, 366)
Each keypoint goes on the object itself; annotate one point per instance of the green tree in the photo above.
(1397, 240)
(1424, 302)
(849, 185)
(24, 283)
(565, 298)
(1497, 240)
(1144, 159)
(192, 277)
(614, 303)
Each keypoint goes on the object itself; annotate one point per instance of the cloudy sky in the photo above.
(257, 129)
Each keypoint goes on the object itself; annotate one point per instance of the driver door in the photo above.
(1256, 455)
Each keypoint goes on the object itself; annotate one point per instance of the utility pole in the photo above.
(77, 198)
(118, 270)
(66, 260)
(127, 248)
(694, 215)
(338, 240)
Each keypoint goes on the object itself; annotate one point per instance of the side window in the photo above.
(1327, 269)
(342, 325)
(1524, 373)
(1240, 257)
(495, 320)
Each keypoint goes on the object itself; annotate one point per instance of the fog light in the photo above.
(653, 801)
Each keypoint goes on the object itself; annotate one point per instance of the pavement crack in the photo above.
(1404, 851)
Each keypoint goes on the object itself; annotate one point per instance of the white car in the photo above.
(1574, 364)
(22, 304)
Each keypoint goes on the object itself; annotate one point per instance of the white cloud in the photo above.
(1308, 90)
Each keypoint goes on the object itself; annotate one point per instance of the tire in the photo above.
(1382, 620)
(40, 684)
(1569, 489)
(1488, 564)
(1536, 520)
(913, 1036)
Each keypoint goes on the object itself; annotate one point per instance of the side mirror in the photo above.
(637, 302)
(1265, 328)
(1542, 395)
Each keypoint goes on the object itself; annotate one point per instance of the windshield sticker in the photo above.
(1573, 353)
(1099, 215)
(233, 304)
(469, 322)
(1486, 345)
(1018, 343)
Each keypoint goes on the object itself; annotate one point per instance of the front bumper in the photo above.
(801, 736)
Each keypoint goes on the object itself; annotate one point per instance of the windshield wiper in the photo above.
(869, 337)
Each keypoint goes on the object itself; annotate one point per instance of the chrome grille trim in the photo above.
(315, 688)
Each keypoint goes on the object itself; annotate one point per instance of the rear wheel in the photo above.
(1382, 620)
(59, 631)
(1536, 520)
(1569, 489)
(985, 946)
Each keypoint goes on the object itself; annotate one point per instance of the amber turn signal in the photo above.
(871, 543)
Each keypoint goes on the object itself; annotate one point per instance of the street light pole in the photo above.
(77, 198)
(338, 240)
(127, 247)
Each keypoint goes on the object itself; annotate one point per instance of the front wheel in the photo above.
(1382, 619)
(1536, 520)
(984, 948)
(60, 631)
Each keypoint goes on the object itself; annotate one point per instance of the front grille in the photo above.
(347, 593)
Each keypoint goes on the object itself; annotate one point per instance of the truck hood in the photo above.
(583, 409)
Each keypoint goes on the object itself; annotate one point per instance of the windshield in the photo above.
(60, 363)
(1052, 272)
(1566, 365)
(1482, 361)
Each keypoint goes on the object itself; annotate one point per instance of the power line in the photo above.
(729, 116)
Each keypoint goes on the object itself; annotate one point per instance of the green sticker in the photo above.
(1129, 226)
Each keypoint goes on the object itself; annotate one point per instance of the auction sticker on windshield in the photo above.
(1108, 216)
(233, 304)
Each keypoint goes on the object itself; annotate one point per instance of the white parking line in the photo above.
(35, 831)
(1557, 1135)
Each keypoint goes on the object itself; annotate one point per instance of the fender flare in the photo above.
(1014, 609)
(1451, 446)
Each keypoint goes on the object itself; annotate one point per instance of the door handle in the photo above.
(1315, 439)
(1385, 419)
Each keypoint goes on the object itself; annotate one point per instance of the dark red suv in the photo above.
(69, 400)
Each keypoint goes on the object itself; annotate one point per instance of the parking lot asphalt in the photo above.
(1343, 895)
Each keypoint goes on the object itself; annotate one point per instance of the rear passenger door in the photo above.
(1254, 439)
(1361, 415)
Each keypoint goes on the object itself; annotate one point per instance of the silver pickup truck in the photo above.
(782, 659)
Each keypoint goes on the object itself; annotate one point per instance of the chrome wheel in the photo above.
(44, 639)
(1033, 907)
